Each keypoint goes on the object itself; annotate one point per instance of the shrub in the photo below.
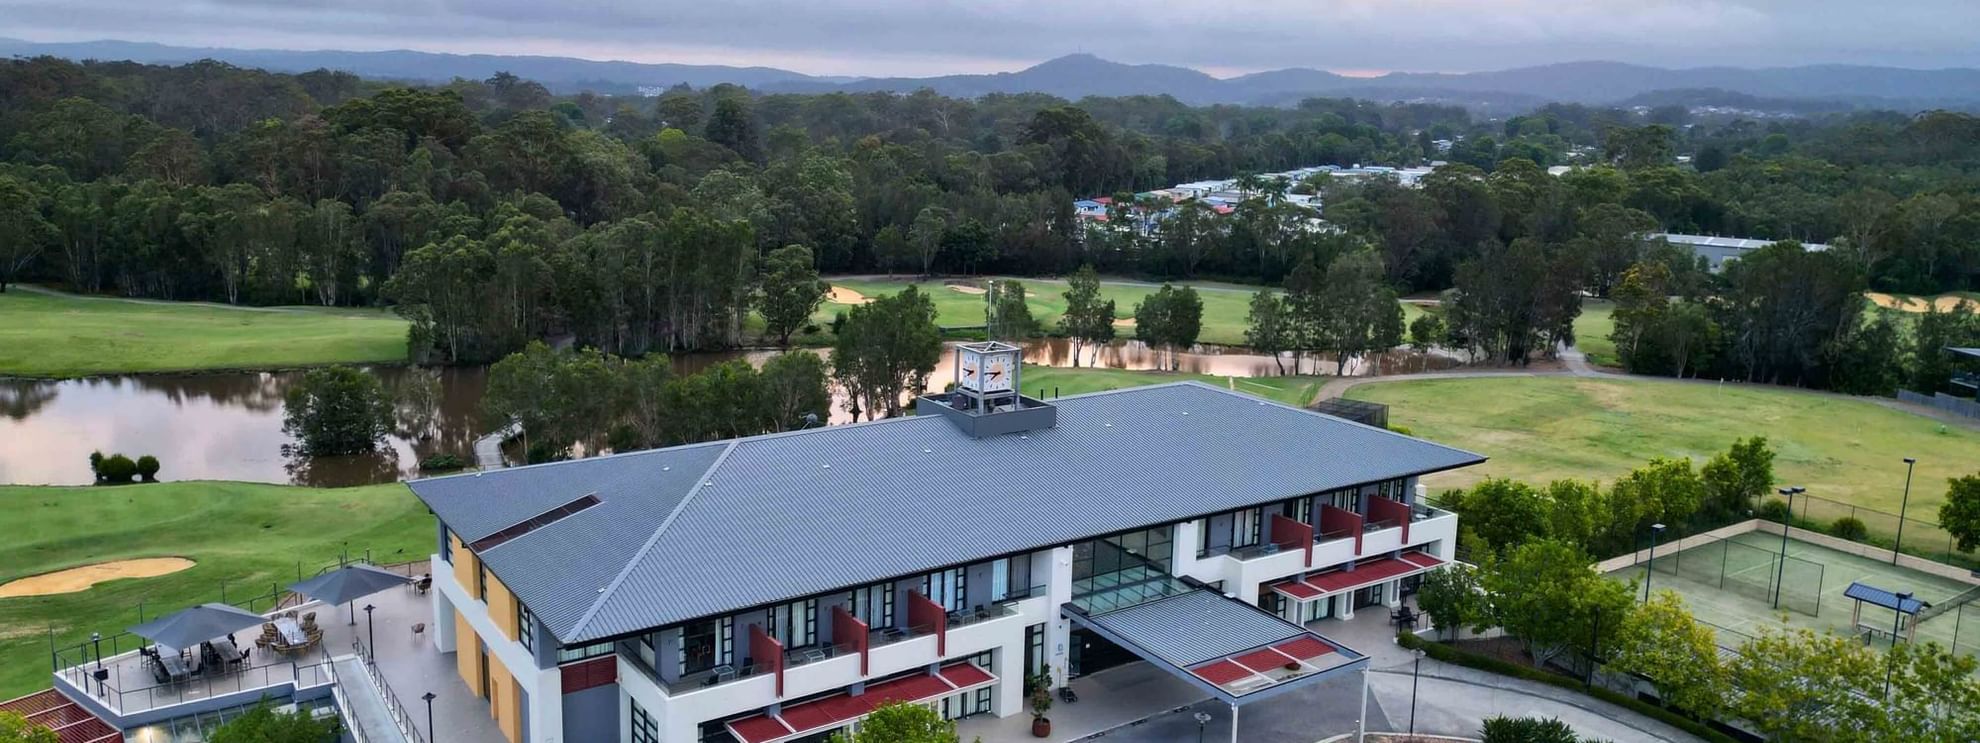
(147, 468)
(1774, 510)
(1404, 430)
(1850, 528)
(96, 464)
(442, 462)
(1503, 729)
(117, 468)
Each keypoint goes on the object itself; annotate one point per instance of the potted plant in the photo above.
(1041, 701)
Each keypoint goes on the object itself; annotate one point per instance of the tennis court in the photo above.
(1731, 585)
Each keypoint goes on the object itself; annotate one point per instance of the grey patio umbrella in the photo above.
(348, 584)
(189, 627)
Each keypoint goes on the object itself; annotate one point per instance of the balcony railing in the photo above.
(117, 690)
(716, 676)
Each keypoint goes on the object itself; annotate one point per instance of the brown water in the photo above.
(229, 426)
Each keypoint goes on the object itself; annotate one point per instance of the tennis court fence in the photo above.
(1753, 572)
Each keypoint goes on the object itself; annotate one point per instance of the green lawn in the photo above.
(1225, 306)
(1592, 329)
(63, 336)
(1289, 390)
(248, 535)
(1542, 428)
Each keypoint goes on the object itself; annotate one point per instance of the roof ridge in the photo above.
(605, 593)
(1331, 418)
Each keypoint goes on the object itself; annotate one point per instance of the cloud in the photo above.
(919, 37)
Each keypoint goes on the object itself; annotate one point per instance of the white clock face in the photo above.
(971, 365)
(997, 373)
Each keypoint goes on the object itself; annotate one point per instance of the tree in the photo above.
(16, 729)
(1664, 491)
(1169, 319)
(337, 410)
(1933, 693)
(1501, 513)
(560, 397)
(1453, 598)
(1960, 514)
(901, 722)
(265, 725)
(885, 349)
(790, 291)
(23, 232)
(1545, 593)
(1268, 329)
(1799, 685)
(929, 227)
(1737, 478)
(1010, 313)
(733, 126)
(1088, 319)
(1661, 641)
(795, 391)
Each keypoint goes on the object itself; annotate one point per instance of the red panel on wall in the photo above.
(590, 674)
(926, 616)
(1390, 510)
(848, 631)
(1289, 533)
(1338, 522)
(767, 653)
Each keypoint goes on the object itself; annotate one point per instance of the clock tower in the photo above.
(987, 375)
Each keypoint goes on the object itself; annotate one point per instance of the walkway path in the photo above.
(488, 449)
(367, 710)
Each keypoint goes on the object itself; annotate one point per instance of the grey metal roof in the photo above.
(1732, 243)
(1974, 352)
(1196, 627)
(787, 515)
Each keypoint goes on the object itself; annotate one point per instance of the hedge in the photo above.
(1454, 655)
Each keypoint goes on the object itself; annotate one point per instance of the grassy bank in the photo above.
(1225, 306)
(46, 335)
(247, 535)
(1592, 329)
(1289, 390)
(1542, 428)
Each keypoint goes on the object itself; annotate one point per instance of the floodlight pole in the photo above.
(1909, 464)
(1780, 568)
(1656, 533)
(1890, 660)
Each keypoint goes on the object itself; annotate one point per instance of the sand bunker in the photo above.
(1917, 304)
(967, 289)
(842, 295)
(1125, 322)
(81, 579)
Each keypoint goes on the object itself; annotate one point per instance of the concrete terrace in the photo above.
(407, 662)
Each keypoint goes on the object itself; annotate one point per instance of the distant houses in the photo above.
(1223, 196)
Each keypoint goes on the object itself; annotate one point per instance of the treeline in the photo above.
(494, 213)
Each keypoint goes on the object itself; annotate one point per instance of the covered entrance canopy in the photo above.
(1379, 570)
(1233, 651)
(838, 710)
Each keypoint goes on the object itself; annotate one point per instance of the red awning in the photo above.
(1314, 587)
(840, 709)
(1269, 665)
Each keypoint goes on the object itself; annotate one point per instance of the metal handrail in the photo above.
(401, 718)
(175, 692)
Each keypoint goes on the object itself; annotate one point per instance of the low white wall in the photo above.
(1867, 551)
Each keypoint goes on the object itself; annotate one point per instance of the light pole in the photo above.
(429, 697)
(1202, 719)
(370, 633)
(1780, 566)
(1890, 660)
(1656, 533)
(96, 641)
(1909, 464)
(1415, 675)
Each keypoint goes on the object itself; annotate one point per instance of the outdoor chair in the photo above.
(417, 630)
(309, 618)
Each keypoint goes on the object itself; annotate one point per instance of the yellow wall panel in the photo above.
(467, 654)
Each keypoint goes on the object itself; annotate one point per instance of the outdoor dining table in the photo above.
(292, 631)
(174, 663)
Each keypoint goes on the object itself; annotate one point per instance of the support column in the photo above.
(1344, 602)
(1186, 542)
(1392, 593)
(1058, 633)
(1234, 723)
(442, 625)
(1361, 721)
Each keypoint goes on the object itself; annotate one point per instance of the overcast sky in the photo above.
(927, 37)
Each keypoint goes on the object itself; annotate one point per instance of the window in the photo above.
(873, 604)
(715, 731)
(1000, 579)
(525, 627)
(1034, 650)
(1298, 509)
(1244, 528)
(706, 644)
(644, 728)
(481, 581)
(947, 588)
(446, 545)
(794, 624)
(583, 652)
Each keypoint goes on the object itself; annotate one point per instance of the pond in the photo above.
(229, 426)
